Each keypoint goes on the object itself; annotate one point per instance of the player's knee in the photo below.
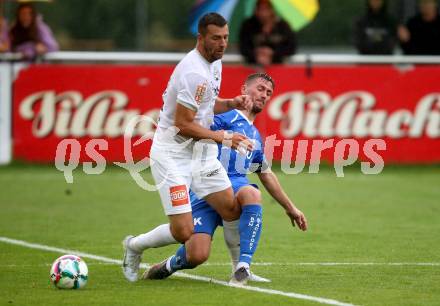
(230, 211)
(182, 234)
(254, 196)
(231, 214)
(197, 257)
(229, 203)
(249, 195)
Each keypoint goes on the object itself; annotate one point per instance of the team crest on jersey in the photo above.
(178, 195)
(200, 92)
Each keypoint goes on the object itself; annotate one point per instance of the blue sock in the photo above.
(250, 229)
(178, 261)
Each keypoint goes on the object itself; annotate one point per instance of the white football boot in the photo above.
(258, 279)
(241, 275)
(131, 262)
(252, 276)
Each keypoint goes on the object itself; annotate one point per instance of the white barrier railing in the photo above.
(172, 57)
(9, 56)
(5, 113)
(160, 57)
(368, 59)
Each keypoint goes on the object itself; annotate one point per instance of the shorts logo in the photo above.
(178, 195)
(200, 92)
(212, 173)
(198, 221)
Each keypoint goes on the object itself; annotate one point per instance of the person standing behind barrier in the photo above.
(4, 38)
(30, 35)
(264, 38)
(375, 32)
(421, 36)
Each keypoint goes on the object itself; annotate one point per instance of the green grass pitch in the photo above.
(393, 217)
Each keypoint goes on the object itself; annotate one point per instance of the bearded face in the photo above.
(260, 90)
(214, 42)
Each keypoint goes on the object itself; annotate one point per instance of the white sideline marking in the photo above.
(180, 274)
(224, 264)
(50, 264)
(58, 176)
(430, 264)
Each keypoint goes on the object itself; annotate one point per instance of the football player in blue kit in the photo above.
(243, 241)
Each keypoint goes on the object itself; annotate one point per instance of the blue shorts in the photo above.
(206, 219)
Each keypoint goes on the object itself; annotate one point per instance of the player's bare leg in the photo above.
(181, 226)
(179, 229)
(225, 204)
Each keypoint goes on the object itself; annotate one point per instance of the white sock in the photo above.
(168, 264)
(232, 240)
(156, 238)
(242, 264)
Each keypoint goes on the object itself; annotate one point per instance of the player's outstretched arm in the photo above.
(184, 121)
(240, 102)
(273, 186)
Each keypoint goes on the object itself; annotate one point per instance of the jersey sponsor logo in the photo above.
(353, 114)
(41, 107)
(178, 195)
(200, 92)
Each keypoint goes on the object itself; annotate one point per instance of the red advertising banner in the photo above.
(325, 107)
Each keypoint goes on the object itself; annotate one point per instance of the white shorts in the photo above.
(175, 173)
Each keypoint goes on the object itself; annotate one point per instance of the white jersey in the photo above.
(179, 164)
(195, 83)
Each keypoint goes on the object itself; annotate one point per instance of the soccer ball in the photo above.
(69, 272)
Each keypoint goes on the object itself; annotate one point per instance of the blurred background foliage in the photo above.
(162, 25)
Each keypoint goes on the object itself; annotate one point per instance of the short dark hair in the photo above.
(211, 18)
(260, 75)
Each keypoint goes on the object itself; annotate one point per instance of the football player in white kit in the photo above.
(184, 150)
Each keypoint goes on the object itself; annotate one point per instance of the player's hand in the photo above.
(239, 142)
(242, 102)
(242, 144)
(297, 217)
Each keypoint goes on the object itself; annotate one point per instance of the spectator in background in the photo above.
(375, 32)
(421, 35)
(264, 38)
(30, 35)
(405, 9)
(4, 38)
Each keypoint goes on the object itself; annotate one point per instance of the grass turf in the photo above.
(392, 217)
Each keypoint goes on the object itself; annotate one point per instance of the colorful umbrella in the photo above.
(297, 13)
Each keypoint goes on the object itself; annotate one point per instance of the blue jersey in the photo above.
(237, 164)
